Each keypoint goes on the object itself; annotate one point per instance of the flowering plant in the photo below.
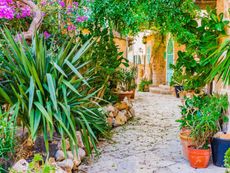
(66, 19)
(10, 9)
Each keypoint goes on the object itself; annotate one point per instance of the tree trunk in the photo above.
(36, 23)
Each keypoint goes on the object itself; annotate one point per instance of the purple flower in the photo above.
(47, 35)
(62, 4)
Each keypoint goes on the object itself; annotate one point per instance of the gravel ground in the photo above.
(147, 144)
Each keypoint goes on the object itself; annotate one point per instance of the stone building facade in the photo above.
(161, 52)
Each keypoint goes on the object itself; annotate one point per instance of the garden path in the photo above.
(147, 144)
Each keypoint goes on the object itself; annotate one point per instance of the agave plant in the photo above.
(49, 90)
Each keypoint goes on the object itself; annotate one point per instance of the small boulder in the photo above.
(76, 163)
(132, 112)
(112, 114)
(120, 119)
(127, 114)
(70, 155)
(66, 143)
(59, 170)
(59, 155)
(81, 153)
(66, 165)
(128, 102)
(52, 161)
(21, 166)
(121, 106)
(110, 108)
(79, 140)
(111, 121)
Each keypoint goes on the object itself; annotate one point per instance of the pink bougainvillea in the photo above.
(10, 9)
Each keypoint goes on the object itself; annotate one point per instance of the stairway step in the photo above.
(158, 90)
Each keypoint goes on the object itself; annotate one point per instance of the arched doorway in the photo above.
(169, 60)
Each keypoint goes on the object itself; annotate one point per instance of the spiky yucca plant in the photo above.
(50, 92)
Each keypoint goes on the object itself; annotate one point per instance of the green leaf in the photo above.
(52, 91)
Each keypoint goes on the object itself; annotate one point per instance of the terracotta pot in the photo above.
(198, 158)
(133, 94)
(124, 94)
(186, 141)
(146, 88)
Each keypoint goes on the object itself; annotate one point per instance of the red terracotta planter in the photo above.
(133, 94)
(124, 94)
(186, 141)
(199, 158)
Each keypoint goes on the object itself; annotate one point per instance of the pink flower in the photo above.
(6, 12)
(71, 28)
(43, 2)
(76, 4)
(25, 12)
(47, 35)
(62, 4)
(81, 19)
(9, 10)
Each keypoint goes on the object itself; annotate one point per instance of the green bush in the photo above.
(204, 115)
(126, 79)
(7, 136)
(227, 159)
(50, 91)
(143, 84)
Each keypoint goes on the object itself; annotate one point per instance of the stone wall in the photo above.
(121, 43)
(156, 70)
(157, 62)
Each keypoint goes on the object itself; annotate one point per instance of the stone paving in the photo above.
(147, 144)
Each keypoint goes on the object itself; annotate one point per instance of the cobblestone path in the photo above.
(147, 144)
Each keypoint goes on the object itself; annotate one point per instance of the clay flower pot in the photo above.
(186, 141)
(133, 94)
(199, 158)
(123, 94)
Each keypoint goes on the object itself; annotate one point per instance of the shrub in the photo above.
(50, 92)
(126, 78)
(7, 134)
(204, 115)
(143, 84)
(227, 159)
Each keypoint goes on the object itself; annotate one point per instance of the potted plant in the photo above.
(205, 123)
(144, 85)
(220, 142)
(126, 83)
(188, 111)
(177, 80)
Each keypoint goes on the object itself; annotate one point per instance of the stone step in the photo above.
(166, 87)
(158, 90)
